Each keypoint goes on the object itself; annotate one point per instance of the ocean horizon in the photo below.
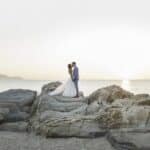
(87, 86)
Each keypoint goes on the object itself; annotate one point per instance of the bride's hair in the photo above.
(69, 66)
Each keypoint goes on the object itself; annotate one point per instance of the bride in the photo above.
(68, 88)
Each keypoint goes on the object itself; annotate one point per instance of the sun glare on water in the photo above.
(126, 85)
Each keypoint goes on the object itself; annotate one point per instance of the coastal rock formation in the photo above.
(15, 108)
(63, 117)
(112, 114)
(107, 108)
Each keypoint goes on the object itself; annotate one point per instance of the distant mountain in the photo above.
(5, 77)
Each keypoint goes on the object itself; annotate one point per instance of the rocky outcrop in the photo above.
(109, 94)
(110, 113)
(107, 108)
(58, 116)
(15, 108)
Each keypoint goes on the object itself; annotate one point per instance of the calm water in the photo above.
(138, 86)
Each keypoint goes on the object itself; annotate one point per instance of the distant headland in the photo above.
(6, 77)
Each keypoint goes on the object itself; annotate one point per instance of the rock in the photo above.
(141, 96)
(50, 87)
(110, 118)
(129, 140)
(109, 94)
(26, 109)
(81, 94)
(124, 117)
(136, 116)
(93, 108)
(17, 116)
(17, 104)
(3, 113)
(108, 108)
(18, 96)
(14, 126)
(58, 103)
(91, 117)
(71, 127)
(145, 102)
(58, 116)
(123, 103)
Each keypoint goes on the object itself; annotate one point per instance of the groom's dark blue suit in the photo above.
(76, 78)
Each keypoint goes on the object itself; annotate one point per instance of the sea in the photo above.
(86, 86)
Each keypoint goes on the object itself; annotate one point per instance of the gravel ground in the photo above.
(24, 141)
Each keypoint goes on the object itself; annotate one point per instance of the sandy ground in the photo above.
(23, 141)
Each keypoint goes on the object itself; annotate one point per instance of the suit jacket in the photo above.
(75, 73)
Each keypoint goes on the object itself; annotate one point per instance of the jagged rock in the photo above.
(109, 94)
(50, 87)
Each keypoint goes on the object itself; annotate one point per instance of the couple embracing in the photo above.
(70, 88)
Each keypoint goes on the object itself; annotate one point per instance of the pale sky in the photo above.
(109, 39)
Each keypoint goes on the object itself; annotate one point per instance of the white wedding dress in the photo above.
(67, 89)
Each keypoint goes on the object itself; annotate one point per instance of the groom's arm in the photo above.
(75, 74)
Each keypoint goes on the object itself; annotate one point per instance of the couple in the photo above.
(70, 88)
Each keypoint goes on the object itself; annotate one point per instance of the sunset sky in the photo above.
(109, 39)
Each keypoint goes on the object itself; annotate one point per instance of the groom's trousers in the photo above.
(76, 86)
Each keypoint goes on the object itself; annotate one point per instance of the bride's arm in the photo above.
(70, 73)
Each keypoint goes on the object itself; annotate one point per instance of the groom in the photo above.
(75, 77)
